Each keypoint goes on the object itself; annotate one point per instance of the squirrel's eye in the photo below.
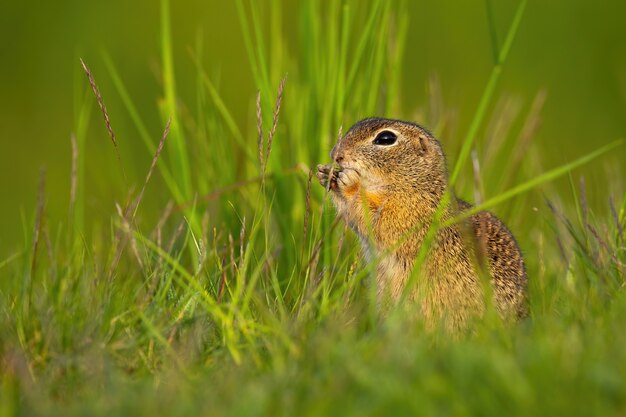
(385, 138)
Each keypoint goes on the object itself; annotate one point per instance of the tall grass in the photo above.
(248, 297)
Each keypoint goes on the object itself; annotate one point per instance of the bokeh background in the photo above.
(575, 51)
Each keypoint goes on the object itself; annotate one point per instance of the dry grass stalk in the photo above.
(272, 132)
(242, 235)
(259, 125)
(103, 109)
(159, 149)
(74, 174)
(121, 237)
(129, 236)
(231, 252)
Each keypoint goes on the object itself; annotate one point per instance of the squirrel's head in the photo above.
(393, 154)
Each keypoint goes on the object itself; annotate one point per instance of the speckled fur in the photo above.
(393, 189)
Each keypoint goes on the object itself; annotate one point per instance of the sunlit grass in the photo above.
(248, 297)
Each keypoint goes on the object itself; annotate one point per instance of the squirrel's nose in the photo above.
(336, 155)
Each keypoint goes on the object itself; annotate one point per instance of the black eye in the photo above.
(385, 138)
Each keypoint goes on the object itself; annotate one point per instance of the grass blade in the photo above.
(535, 182)
(179, 155)
(487, 96)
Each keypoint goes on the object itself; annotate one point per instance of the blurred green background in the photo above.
(574, 50)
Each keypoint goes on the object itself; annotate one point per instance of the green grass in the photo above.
(245, 297)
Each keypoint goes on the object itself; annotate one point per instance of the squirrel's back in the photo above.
(504, 261)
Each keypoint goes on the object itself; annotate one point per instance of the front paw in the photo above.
(327, 176)
(348, 182)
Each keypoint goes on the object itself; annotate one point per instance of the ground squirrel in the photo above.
(390, 179)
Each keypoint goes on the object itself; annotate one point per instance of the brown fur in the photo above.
(402, 185)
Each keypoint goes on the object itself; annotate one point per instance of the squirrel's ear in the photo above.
(423, 144)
